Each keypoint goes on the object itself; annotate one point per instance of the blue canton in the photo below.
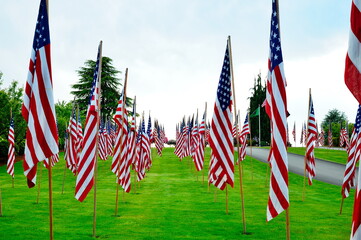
(224, 85)
(358, 120)
(275, 39)
(42, 36)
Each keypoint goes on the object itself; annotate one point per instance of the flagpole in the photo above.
(237, 136)
(259, 124)
(121, 143)
(97, 140)
(305, 158)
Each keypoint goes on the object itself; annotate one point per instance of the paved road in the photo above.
(326, 171)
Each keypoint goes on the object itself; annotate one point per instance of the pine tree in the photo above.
(110, 85)
(256, 100)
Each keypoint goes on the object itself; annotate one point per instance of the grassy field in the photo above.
(338, 156)
(171, 204)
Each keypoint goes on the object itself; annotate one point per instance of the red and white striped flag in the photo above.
(85, 178)
(72, 153)
(38, 107)
(103, 148)
(11, 152)
(354, 152)
(243, 136)
(294, 132)
(276, 100)
(330, 139)
(321, 138)
(221, 170)
(199, 153)
(310, 145)
(119, 162)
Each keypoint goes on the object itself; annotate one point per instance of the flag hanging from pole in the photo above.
(277, 103)
(38, 107)
(86, 166)
(354, 152)
(294, 132)
(221, 169)
(310, 144)
(11, 152)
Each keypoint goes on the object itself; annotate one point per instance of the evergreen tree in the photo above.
(334, 119)
(110, 85)
(256, 100)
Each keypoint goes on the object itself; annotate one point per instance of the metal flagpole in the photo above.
(237, 136)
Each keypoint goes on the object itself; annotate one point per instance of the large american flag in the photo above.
(11, 152)
(276, 100)
(221, 169)
(38, 107)
(310, 145)
(88, 157)
(353, 82)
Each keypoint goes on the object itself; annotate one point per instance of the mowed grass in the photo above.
(171, 204)
(333, 155)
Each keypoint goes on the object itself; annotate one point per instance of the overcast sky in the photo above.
(174, 50)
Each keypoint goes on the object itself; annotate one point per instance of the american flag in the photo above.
(73, 144)
(321, 138)
(132, 136)
(243, 137)
(80, 135)
(194, 139)
(120, 149)
(11, 152)
(344, 141)
(276, 84)
(301, 140)
(103, 148)
(294, 132)
(353, 82)
(143, 155)
(199, 152)
(352, 65)
(148, 160)
(330, 141)
(88, 157)
(109, 138)
(310, 145)
(181, 140)
(38, 107)
(221, 170)
(354, 152)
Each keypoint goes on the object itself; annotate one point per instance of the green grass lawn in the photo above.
(338, 156)
(171, 204)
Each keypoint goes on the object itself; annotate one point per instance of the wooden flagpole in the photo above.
(97, 140)
(305, 158)
(237, 136)
(121, 138)
(50, 198)
(250, 141)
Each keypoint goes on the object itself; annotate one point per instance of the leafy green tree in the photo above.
(63, 112)
(110, 84)
(11, 100)
(258, 96)
(333, 120)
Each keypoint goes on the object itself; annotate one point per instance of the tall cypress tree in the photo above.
(110, 85)
(256, 100)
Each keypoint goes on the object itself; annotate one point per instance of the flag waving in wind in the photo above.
(85, 178)
(278, 200)
(38, 107)
(221, 169)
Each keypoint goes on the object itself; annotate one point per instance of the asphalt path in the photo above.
(326, 171)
